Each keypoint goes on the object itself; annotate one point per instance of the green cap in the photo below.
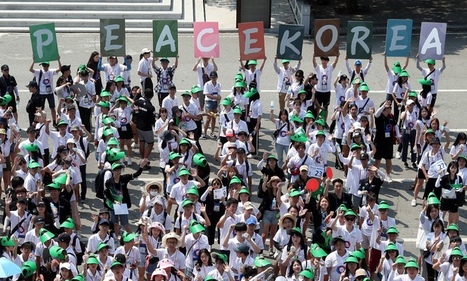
(309, 114)
(61, 179)
(28, 268)
(53, 185)
(235, 180)
(343, 208)
(7, 241)
(456, 252)
(69, 223)
(261, 262)
(128, 237)
(430, 61)
(112, 141)
(185, 141)
(237, 111)
(285, 61)
(57, 253)
(223, 257)
(250, 93)
(302, 91)
(432, 199)
(115, 154)
(383, 206)
(359, 254)
(430, 131)
(364, 88)
(295, 118)
(173, 155)
(44, 62)
(244, 190)
(61, 123)
(102, 245)
(413, 94)
(31, 147)
(186, 93)
(196, 89)
(239, 84)
(404, 73)
(453, 226)
(307, 273)
(116, 263)
(351, 259)
(226, 102)
(210, 278)
(196, 227)
(199, 160)
(193, 190)
(423, 81)
(317, 251)
(397, 68)
(187, 202)
(252, 62)
(298, 137)
(104, 104)
(350, 213)
(391, 247)
(400, 259)
(119, 79)
(412, 263)
(239, 76)
(320, 122)
(78, 277)
(272, 157)
(355, 147)
(123, 98)
(294, 192)
(33, 164)
(392, 230)
(92, 259)
(105, 94)
(117, 165)
(321, 133)
(183, 172)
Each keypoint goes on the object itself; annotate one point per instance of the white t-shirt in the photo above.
(434, 77)
(324, 76)
(168, 103)
(336, 263)
(144, 66)
(211, 89)
(188, 124)
(46, 83)
(251, 76)
(351, 238)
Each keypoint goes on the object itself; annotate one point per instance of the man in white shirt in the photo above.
(324, 74)
(335, 261)
(101, 236)
(284, 78)
(433, 74)
(189, 113)
(170, 101)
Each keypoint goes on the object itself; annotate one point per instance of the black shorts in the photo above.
(449, 205)
(433, 99)
(126, 133)
(323, 98)
(50, 99)
(384, 150)
(420, 175)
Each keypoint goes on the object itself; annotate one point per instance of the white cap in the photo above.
(409, 102)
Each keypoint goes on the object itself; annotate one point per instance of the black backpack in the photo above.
(86, 149)
(79, 256)
(99, 184)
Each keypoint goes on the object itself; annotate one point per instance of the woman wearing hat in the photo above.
(122, 112)
(451, 189)
(236, 96)
(144, 69)
(112, 68)
(194, 241)
(460, 273)
(296, 249)
(282, 134)
(91, 270)
(164, 74)
(222, 269)
(158, 275)
(151, 191)
(445, 266)
(429, 158)
(412, 272)
(282, 236)
(270, 166)
(432, 74)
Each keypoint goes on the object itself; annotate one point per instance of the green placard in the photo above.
(44, 42)
(165, 38)
(112, 33)
(290, 42)
(359, 39)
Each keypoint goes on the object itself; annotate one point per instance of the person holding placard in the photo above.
(165, 75)
(324, 74)
(392, 75)
(252, 74)
(432, 74)
(284, 78)
(358, 71)
(203, 69)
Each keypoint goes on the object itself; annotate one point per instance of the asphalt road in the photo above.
(76, 48)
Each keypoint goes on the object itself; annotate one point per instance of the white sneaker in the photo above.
(413, 203)
(133, 145)
(388, 179)
(398, 155)
(249, 156)
(128, 161)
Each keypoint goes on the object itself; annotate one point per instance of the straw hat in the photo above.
(154, 184)
(171, 235)
(288, 216)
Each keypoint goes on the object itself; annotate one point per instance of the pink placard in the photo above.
(206, 39)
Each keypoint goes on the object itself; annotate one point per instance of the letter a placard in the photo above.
(44, 42)
(165, 37)
(112, 37)
(290, 42)
(326, 37)
(432, 40)
(251, 40)
(206, 39)
(398, 38)
(359, 39)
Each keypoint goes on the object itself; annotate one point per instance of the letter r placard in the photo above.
(359, 39)
(112, 37)
(44, 42)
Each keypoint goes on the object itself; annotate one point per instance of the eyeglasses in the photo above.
(216, 183)
(350, 218)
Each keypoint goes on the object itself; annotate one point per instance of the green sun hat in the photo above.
(117, 165)
(295, 118)
(31, 147)
(61, 179)
(320, 122)
(115, 154)
(119, 79)
(107, 132)
(237, 111)
(397, 68)
(430, 61)
(196, 89)
(423, 81)
(350, 213)
(309, 114)
(457, 252)
(54, 185)
(108, 120)
(383, 206)
(392, 230)
(186, 93)
(412, 263)
(187, 202)
(321, 133)
(430, 131)
(223, 257)
(239, 84)
(193, 190)
(307, 273)
(69, 223)
(250, 93)
(62, 123)
(351, 259)
(298, 137)
(400, 259)
(5, 99)
(355, 147)
(294, 192)
(112, 141)
(185, 141)
(33, 164)
(404, 73)
(453, 226)
(317, 251)
(391, 247)
(105, 104)
(302, 91)
(285, 61)
(104, 94)
(173, 155)
(128, 237)
(252, 62)
(244, 190)
(183, 172)
(116, 263)
(261, 262)
(413, 94)
(78, 277)
(210, 278)
(92, 259)
(272, 157)
(7, 241)
(364, 88)
(196, 227)
(235, 180)
(239, 75)
(343, 208)
(101, 246)
(226, 102)
(200, 160)
(46, 236)
(57, 252)
(359, 254)
(432, 199)
(28, 268)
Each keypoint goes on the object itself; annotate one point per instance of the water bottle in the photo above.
(54, 209)
(271, 107)
(274, 204)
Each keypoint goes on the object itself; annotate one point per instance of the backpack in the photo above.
(85, 149)
(99, 184)
(165, 214)
(247, 166)
(79, 256)
(180, 218)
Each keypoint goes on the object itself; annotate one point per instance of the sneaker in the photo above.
(406, 165)
(413, 203)
(398, 155)
(134, 145)
(128, 162)
(388, 179)
(414, 165)
(271, 253)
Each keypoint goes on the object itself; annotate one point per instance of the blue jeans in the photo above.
(281, 150)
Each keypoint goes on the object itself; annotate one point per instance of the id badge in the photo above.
(387, 134)
(217, 207)
(124, 128)
(248, 119)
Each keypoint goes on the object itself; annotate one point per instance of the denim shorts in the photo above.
(211, 104)
(123, 219)
(271, 217)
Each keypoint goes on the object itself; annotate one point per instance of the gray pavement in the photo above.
(75, 49)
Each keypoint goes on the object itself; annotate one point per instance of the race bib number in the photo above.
(438, 166)
(316, 172)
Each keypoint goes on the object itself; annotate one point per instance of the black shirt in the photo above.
(335, 202)
(7, 84)
(144, 114)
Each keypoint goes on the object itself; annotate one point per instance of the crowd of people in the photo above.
(308, 225)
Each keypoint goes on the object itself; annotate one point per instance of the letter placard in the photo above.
(206, 39)
(112, 37)
(326, 37)
(165, 37)
(398, 37)
(290, 42)
(432, 40)
(359, 39)
(44, 42)
(251, 40)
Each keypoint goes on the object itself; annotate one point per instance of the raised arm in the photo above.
(334, 64)
(262, 65)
